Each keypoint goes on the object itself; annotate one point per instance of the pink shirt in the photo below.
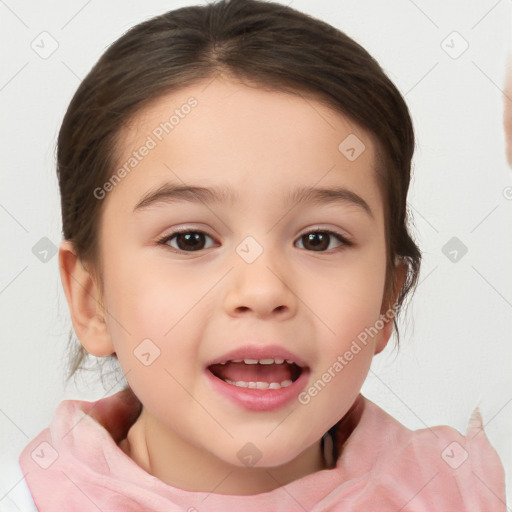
(76, 465)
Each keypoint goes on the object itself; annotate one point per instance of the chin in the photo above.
(260, 454)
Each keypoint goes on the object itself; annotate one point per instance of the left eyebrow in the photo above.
(170, 193)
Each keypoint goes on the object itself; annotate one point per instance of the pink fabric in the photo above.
(76, 465)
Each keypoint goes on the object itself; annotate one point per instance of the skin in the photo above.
(199, 305)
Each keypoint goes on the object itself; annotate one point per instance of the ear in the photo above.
(83, 295)
(388, 312)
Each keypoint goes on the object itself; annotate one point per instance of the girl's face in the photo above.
(251, 280)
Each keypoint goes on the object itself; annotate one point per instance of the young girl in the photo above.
(233, 181)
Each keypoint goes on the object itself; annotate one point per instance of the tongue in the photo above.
(253, 372)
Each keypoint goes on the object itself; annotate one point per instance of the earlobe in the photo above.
(388, 309)
(83, 296)
(384, 335)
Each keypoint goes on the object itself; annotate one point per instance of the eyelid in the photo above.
(344, 239)
(165, 238)
(344, 235)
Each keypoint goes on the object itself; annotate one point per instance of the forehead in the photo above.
(246, 138)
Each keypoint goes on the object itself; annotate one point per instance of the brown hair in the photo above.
(266, 43)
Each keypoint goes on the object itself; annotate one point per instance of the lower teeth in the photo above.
(260, 385)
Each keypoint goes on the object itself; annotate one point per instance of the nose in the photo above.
(261, 288)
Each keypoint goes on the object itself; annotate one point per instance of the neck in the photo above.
(176, 462)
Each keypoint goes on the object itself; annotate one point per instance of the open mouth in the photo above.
(257, 373)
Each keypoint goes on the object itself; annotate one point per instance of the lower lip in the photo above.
(260, 399)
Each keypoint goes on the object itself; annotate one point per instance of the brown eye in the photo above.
(320, 241)
(186, 241)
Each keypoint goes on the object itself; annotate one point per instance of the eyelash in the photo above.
(344, 241)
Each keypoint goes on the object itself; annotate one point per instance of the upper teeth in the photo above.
(260, 385)
(259, 361)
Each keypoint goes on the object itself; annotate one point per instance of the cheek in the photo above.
(151, 313)
(348, 305)
(349, 310)
(349, 298)
(154, 335)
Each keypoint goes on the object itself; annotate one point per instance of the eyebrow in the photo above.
(170, 193)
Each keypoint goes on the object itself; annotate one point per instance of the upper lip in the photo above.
(259, 352)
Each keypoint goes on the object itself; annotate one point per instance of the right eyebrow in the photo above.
(170, 193)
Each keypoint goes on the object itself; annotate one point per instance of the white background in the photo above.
(456, 350)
